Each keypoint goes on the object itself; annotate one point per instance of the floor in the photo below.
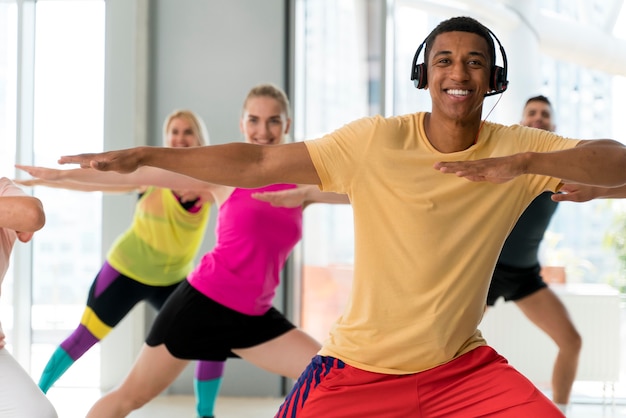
(74, 403)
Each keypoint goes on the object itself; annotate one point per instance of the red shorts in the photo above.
(480, 383)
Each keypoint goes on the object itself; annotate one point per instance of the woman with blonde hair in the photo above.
(148, 261)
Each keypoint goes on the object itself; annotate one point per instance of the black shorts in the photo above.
(195, 327)
(514, 283)
(112, 295)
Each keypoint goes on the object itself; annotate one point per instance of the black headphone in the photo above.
(497, 79)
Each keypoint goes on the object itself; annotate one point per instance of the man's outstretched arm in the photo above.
(235, 164)
(598, 162)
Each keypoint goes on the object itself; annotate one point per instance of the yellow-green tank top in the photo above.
(160, 246)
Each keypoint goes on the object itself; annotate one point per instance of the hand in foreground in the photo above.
(494, 170)
(571, 192)
(122, 161)
(290, 198)
(43, 173)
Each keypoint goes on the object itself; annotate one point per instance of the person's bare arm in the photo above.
(583, 193)
(80, 187)
(87, 179)
(303, 195)
(235, 164)
(596, 162)
(24, 215)
(21, 213)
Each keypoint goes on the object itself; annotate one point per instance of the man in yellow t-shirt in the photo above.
(426, 242)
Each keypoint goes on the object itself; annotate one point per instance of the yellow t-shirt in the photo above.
(426, 242)
(160, 246)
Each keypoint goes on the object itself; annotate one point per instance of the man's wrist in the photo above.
(525, 162)
(142, 155)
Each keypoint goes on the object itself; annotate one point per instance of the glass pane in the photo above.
(582, 103)
(69, 86)
(8, 112)
(411, 27)
(338, 81)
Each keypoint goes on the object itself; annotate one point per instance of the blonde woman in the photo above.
(147, 262)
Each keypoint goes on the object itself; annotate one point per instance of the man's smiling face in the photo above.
(458, 74)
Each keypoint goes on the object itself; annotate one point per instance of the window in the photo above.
(67, 113)
(339, 57)
(8, 82)
(8, 115)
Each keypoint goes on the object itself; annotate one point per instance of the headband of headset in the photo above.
(497, 79)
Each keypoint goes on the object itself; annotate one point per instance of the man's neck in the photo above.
(449, 136)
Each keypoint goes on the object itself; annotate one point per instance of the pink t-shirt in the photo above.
(253, 241)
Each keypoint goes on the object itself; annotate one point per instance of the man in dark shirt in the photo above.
(517, 273)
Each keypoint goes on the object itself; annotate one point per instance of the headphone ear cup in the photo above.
(419, 76)
(498, 79)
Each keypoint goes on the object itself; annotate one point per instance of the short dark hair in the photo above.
(539, 98)
(461, 24)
